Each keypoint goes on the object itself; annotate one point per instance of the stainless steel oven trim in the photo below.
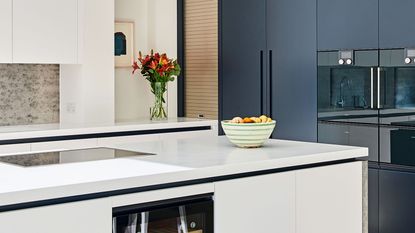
(378, 87)
(371, 87)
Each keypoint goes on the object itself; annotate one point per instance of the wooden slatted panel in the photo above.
(201, 53)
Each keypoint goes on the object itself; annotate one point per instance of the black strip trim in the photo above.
(396, 167)
(381, 115)
(373, 125)
(162, 186)
(103, 135)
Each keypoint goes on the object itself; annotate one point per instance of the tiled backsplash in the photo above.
(29, 94)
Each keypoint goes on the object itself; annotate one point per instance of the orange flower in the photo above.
(153, 65)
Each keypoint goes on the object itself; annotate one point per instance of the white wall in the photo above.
(155, 28)
(87, 90)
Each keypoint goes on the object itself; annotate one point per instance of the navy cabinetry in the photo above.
(396, 24)
(243, 46)
(396, 201)
(373, 198)
(292, 39)
(351, 24)
(268, 63)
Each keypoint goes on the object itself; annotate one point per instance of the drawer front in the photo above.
(118, 141)
(65, 145)
(11, 149)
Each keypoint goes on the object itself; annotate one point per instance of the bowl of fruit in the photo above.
(249, 132)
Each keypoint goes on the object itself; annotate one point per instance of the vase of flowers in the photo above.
(158, 69)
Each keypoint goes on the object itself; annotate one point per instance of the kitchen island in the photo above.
(297, 186)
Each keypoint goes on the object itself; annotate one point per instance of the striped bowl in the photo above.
(248, 135)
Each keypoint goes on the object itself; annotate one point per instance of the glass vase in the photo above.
(158, 111)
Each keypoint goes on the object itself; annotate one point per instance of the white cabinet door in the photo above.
(260, 204)
(6, 37)
(329, 199)
(80, 217)
(45, 31)
(190, 134)
(17, 148)
(64, 145)
(120, 141)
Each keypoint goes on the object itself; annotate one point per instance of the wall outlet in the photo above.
(71, 107)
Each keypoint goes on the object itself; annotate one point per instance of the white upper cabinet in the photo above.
(45, 31)
(6, 31)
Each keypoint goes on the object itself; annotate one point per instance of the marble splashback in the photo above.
(29, 94)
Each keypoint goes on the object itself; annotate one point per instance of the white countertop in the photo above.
(51, 130)
(175, 160)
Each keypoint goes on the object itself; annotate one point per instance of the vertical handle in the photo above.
(182, 225)
(144, 222)
(378, 88)
(261, 61)
(372, 104)
(270, 84)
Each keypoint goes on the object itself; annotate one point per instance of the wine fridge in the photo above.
(184, 215)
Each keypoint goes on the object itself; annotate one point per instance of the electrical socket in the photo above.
(71, 107)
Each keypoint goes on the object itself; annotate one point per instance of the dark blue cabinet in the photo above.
(396, 201)
(268, 63)
(243, 46)
(347, 24)
(291, 39)
(373, 200)
(396, 24)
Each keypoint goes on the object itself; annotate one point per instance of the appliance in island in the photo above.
(367, 98)
(183, 215)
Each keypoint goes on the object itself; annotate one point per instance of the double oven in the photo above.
(367, 98)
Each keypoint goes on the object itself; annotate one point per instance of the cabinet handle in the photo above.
(270, 84)
(261, 61)
(371, 88)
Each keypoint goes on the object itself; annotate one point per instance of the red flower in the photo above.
(135, 67)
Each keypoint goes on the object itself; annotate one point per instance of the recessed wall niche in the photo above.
(29, 94)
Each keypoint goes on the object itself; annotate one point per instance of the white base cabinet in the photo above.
(329, 199)
(318, 200)
(80, 217)
(261, 204)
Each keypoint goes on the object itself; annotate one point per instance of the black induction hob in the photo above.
(68, 156)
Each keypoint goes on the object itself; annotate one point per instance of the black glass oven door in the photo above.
(397, 89)
(346, 93)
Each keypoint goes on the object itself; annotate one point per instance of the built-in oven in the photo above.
(367, 98)
(397, 106)
(184, 215)
(348, 81)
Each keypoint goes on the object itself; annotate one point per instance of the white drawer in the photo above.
(190, 134)
(118, 141)
(16, 148)
(65, 145)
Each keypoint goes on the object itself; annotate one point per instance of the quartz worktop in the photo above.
(54, 130)
(174, 160)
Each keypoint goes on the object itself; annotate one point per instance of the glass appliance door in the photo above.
(187, 215)
(347, 99)
(397, 107)
(347, 92)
